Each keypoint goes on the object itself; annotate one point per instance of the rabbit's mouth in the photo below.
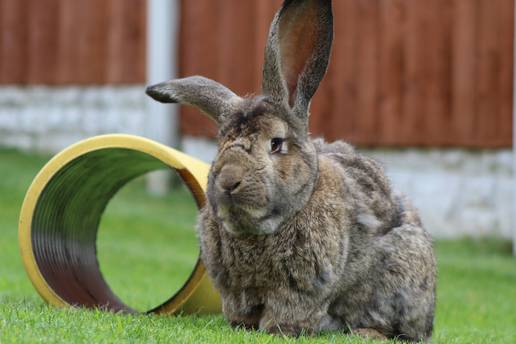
(247, 220)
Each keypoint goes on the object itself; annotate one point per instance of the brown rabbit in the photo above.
(301, 236)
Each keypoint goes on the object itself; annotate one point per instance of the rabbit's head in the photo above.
(266, 166)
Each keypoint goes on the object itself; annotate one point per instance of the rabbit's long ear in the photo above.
(209, 96)
(297, 53)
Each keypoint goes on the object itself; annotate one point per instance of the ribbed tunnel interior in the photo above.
(67, 216)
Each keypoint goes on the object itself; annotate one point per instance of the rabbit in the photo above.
(298, 235)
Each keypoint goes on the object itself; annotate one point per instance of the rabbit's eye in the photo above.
(277, 145)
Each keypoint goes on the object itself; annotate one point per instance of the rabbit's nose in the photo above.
(230, 186)
(229, 179)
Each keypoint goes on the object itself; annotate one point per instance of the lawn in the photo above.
(147, 247)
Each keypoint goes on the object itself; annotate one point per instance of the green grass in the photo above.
(147, 247)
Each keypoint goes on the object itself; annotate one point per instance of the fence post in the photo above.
(162, 120)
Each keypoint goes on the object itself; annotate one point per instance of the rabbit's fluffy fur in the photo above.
(298, 235)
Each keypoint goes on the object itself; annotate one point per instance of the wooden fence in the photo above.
(403, 72)
(58, 42)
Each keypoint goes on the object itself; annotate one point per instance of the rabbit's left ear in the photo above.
(297, 53)
(212, 98)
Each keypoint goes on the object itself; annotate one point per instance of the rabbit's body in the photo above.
(300, 235)
(336, 264)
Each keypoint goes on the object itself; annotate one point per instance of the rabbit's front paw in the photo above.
(241, 311)
(329, 323)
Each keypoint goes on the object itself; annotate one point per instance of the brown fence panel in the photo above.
(13, 41)
(57, 42)
(403, 72)
(223, 40)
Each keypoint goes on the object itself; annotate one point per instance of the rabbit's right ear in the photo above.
(297, 53)
(212, 98)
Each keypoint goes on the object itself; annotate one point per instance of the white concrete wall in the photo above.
(49, 119)
(458, 192)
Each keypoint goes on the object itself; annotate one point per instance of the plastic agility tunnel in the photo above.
(61, 213)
